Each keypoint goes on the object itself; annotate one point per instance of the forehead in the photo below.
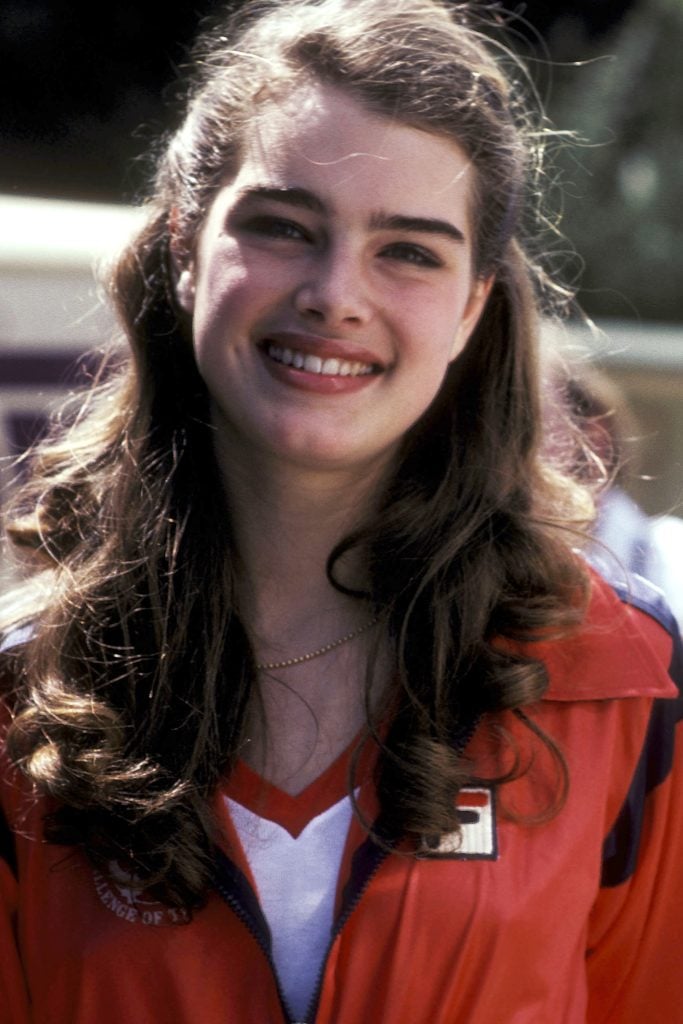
(323, 138)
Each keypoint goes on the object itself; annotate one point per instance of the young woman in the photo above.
(312, 713)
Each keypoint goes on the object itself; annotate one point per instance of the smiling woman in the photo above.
(336, 245)
(308, 699)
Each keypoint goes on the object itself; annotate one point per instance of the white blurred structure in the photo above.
(51, 310)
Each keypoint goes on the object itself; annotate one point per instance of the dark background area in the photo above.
(88, 89)
(88, 86)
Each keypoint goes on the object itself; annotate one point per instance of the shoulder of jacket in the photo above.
(626, 646)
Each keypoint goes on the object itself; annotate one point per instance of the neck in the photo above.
(286, 521)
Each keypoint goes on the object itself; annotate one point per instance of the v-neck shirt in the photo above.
(294, 847)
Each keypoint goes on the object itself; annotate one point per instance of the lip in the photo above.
(326, 348)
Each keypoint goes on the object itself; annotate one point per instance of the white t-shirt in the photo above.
(294, 847)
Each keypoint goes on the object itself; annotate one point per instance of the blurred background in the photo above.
(88, 90)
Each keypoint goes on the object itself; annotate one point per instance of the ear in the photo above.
(184, 290)
(182, 265)
(479, 293)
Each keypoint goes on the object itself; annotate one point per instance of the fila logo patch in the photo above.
(477, 839)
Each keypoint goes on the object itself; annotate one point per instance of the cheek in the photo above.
(226, 301)
(427, 358)
(435, 333)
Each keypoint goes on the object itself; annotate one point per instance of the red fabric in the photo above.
(528, 937)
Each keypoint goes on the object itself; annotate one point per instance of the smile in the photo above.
(330, 367)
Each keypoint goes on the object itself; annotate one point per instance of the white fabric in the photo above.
(666, 566)
(296, 881)
(650, 546)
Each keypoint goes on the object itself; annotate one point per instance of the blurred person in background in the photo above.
(625, 537)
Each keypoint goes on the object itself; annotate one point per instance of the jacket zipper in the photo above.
(376, 854)
(236, 905)
(347, 911)
(379, 855)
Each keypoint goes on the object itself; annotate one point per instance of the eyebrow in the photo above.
(429, 225)
(302, 198)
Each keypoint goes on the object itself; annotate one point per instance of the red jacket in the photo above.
(575, 921)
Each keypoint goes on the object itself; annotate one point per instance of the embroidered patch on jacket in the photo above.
(123, 896)
(477, 839)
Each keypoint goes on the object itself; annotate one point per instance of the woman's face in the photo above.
(333, 283)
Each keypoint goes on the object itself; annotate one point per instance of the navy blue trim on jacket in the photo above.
(622, 845)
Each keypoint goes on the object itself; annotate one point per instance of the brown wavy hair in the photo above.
(131, 693)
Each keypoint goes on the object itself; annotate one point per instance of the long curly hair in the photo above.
(131, 695)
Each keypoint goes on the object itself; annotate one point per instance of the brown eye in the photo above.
(409, 252)
(276, 227)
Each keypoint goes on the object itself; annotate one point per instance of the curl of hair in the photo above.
(130, 701)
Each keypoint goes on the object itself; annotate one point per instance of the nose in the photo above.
(335, 289)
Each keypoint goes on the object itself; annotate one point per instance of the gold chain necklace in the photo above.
(270, 665)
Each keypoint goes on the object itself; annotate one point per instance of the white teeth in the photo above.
(314, 364)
